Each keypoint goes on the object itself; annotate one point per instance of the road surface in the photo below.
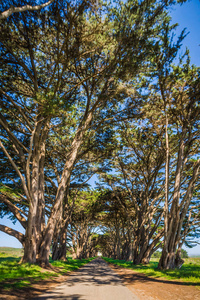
(94, 281)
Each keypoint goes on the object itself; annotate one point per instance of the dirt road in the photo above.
(95, 281)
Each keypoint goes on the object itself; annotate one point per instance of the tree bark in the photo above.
(170, 257)
(44, 251)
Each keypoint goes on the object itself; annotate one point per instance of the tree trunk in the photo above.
(56, 240)
(59, 251)
(44, 251)
(171, 224)
(167, 260)
(35, 184)
(63, 246)
(30, 246)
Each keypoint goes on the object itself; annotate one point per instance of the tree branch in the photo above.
(14, 9)
(16, 169)
(18, 235)
(14, 209)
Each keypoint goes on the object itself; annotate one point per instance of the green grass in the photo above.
(8, 251)
(189, 272)
(70, 265)
(15, 275)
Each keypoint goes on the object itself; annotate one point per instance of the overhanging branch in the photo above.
(18, 235)
(14, 9)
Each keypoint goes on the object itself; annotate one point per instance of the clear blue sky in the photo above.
(187, 15)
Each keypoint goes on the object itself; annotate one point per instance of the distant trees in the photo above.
(117, 215)
(184, 253)
(83, 225)
(138, 170)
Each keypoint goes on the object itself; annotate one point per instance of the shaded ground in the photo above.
(21, 281)
(34, 290)
(95, 281)
(147, 288)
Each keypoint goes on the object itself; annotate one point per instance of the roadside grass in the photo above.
(189, 272)
(14, 275)
(70, 265)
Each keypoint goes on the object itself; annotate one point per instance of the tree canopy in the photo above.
(97, 88)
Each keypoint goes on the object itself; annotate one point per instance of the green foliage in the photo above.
(184, 253)
(156, 254)
(10, 269)
(70, 265)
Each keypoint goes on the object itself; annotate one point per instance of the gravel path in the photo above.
(94, 281)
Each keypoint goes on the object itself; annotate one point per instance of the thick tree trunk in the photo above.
(56, 241)
(30, 249)
(30, 246)
(44, 251)
(40, 216)
(63, 246)
(79, 251)
(171, 224)
(170, 257)
(35, 183)
(55, 249)
(140, 242)
(145, 245)
(118, 242)
(178, 260)
(150, 250)
(59, 250)
(167, 260)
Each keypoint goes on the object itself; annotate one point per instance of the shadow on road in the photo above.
(61, 297)
(94, 281)
(94, 273)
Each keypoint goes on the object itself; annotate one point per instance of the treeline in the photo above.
(90, 88)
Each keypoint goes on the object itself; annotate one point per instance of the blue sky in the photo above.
(187, 15)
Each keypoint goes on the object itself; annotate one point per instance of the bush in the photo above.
(156, 254)
(184, 253)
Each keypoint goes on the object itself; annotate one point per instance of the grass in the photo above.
(189, 272)
(15, 275)
(70, 265)
(8, 251)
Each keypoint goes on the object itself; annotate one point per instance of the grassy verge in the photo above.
(15, 275)
(190, 271)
